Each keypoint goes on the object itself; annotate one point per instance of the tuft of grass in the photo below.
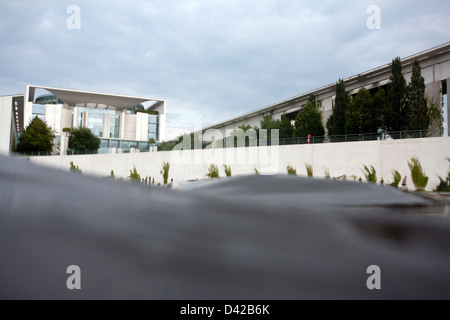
(419, 178)
(444, 184)
(227, 170)
(309, 169)
(370, 174)
(213, 171)
(291, 170)
(134, 175)
(327, 174)
(74, 168)
(256, 171)
(397, 178)
(165, 171)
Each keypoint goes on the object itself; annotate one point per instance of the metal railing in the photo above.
(226, 143)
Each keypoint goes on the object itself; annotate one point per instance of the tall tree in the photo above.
(286, 128)
(358, 118)
(417, 117)
(381, 112)
(81, 139)
(270, 124)
(37, 137)
(309, 120)
(396, 96)
(336, 122)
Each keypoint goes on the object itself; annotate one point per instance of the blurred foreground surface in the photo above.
(255, 237)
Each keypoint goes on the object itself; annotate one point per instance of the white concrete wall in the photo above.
(338, 158)
(5, 123)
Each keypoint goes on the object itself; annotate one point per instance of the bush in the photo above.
(227, 170)
(165, 171)
(291, 170)
(74, 169)
(309, 169)
(444, 185)
(419, 178)
(134, 175)
(213, 171)
(81, 139)
(370, 174)
(397, 178)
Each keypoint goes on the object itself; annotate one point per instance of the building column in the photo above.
(106, 125)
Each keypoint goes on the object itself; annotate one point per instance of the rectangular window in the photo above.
(153, 127)
(38, 110)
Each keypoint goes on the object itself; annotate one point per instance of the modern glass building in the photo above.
(122, 123)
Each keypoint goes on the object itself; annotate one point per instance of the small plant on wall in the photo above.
(291, 170)
(444, 185)
(227, 170)
(213, 171)
(397, 178)
(74, 168)
(370, 174)
(134, 175)
(165, 171)
(419, 178)
(309, 169)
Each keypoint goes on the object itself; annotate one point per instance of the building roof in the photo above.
(92, 99)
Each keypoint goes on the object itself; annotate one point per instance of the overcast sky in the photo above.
(210, 59)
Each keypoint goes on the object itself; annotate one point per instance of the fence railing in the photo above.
(233, 142)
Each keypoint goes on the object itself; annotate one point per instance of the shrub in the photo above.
(74, 168)
(370, 174)
(444, 185)
(134, 175)
(309, 169)
(291, 170)
(419, 178)
(81, 139)
(397, 178)
(227, 170)
(165, 171)
(213, 171)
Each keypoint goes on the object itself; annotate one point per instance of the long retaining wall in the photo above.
(339, 158)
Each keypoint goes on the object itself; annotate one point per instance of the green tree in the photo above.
(309, 120)
(37, 137)
(269, 124)
(358, 118)
(336, 122)
(417, 117)
(83, 139)
(435, 115)
(381, 112)
(286, 128)
(396, 96)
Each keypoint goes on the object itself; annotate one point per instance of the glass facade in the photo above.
(38, 111)
(153, 127)
(95, 121)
